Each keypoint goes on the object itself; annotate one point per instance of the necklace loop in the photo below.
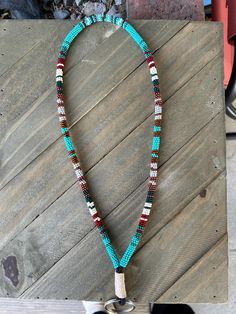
(118, 264)
(111, 306)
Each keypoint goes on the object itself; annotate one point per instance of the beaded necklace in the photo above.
(118, 264)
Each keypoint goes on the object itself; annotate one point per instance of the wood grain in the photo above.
(32, 85)
(19, 37)
(62, 233)
(26, 206)
(39, 168)
(31, 130)
(46, 233)
(28, 129)
(203, 276)
(79, 256)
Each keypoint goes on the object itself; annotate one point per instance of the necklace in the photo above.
(118, 264)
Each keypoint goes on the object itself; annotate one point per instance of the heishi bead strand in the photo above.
(118, 264)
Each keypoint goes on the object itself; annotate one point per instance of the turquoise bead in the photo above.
(156, 140)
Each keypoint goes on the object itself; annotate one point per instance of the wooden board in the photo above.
(46, 232)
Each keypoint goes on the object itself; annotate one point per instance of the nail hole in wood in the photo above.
(216, 230)
(203, 193)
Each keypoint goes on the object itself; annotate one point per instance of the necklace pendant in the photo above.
(121, 304)
(114, 306)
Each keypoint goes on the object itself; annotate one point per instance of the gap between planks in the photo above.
(161, 164)
(5, 25)
(76, 181)
(88, 234)
(201, 259)
(115, 86)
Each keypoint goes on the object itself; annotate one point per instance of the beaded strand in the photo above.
(119, 265)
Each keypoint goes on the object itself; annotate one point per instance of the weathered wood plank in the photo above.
(18, 37)
(82, 98)
(35, 72)
(52, 175)
(45, 131)
(29, 204)
(165, 210)
(207, 275)
(65, 231)
(149, 276)
(14, 306)
(26, 206)
(179, 245)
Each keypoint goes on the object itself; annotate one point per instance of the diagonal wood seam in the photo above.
(161, 164)
(93, 230)
(28, 52)
(119, 144)
(200, 259)
(127, 76)
(68, 70)
(48, 91)
(36, 103)
(142, 122)
(128, 195)
(123, 79)
(142, 244)
(25, 54)
(179, 212)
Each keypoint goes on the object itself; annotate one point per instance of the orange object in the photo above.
(222, 13)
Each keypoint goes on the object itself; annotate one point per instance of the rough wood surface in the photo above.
(28, 106)
(203, 275)
(47, 237)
